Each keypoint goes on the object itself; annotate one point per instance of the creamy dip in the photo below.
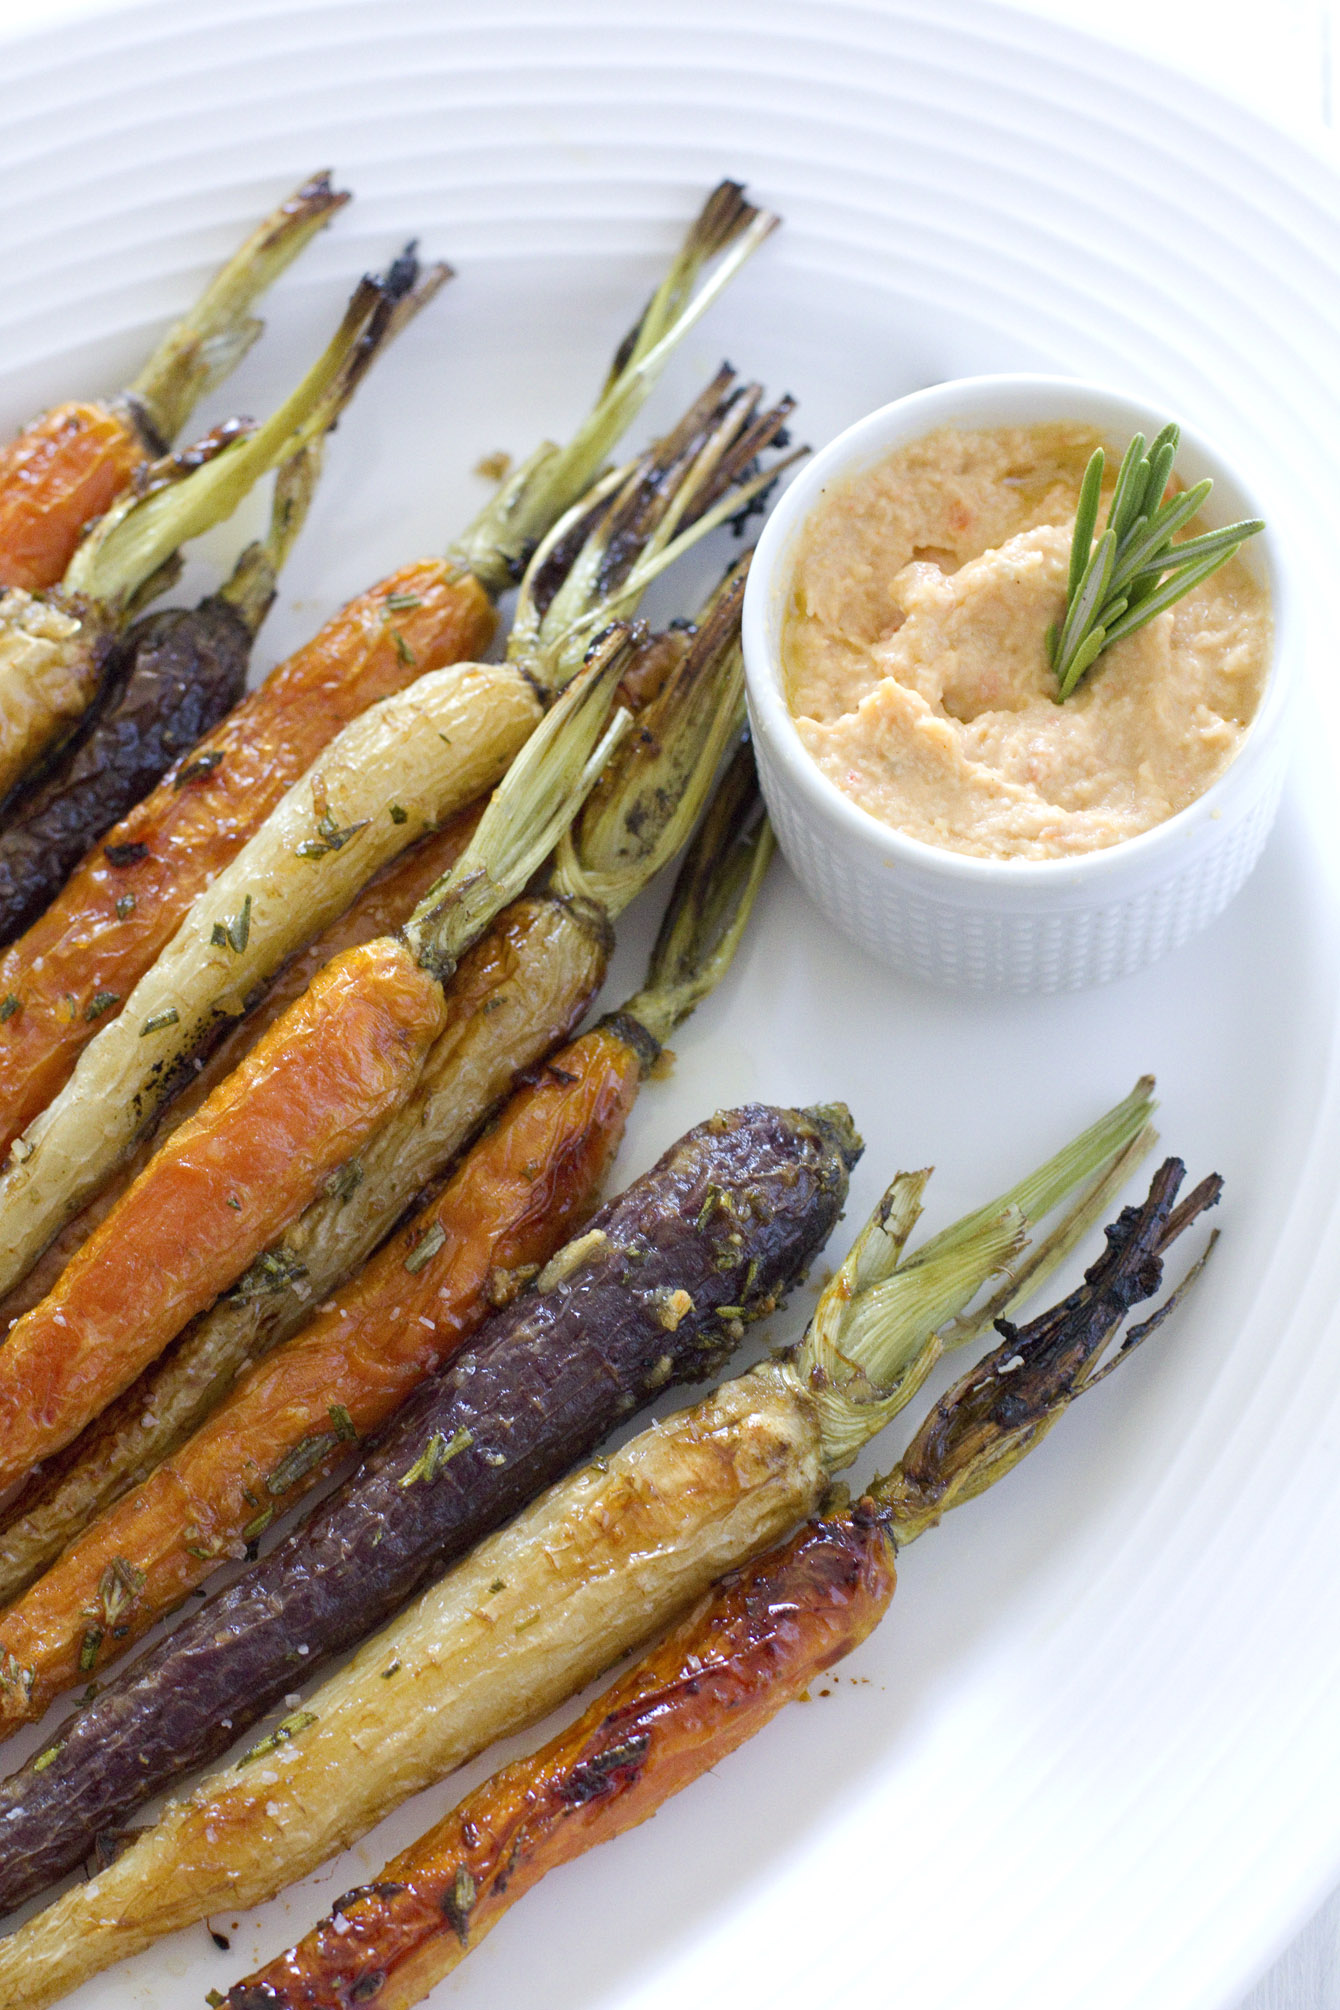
(914, 651)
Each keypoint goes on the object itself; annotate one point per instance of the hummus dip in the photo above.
(915, 656)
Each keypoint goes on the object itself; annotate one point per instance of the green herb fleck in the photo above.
(125, 907)
(309, 848)
(345, 1427)
(204, 764)
(233, 934)
(215, 2001)
(387, 1673)
(458, 1903)
(159, 1020)
(259, 1526)
(295, 1465)
(273, 1270)
(345, 1181)
(40, 1765)
(399, 815)
(400, 603)
(88, 1652)
(402, 648)
(496, 1586)
(435, 1455)
(281, 1735)
(9, 1006)
(233, 1201)
(426, 1248)
(100, 1002)
(119, 1586)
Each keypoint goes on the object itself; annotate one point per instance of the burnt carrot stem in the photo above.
(71, 464)
(750, 1647)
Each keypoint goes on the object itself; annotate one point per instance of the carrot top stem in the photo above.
(250, 588)
(213, 336)
(541, 792)
(711, 903)
(640, 813)
(885, 1320)
(998, 1411)
(141, 534)
(598, 560)
(499, 544)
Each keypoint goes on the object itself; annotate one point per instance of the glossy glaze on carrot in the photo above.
(61, 471)
(70, 972)
(715, 1680)
(517, 1196)
(379, 909)
(229, 1180)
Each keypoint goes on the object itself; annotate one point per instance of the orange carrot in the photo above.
(715, 1680)
(516, 1197)
(382, 906)
(280, 1125)
(62, 471)
(126, 901)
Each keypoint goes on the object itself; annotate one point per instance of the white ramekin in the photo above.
(1011, 924)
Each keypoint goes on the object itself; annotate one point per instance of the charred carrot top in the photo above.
(516, 1198)
(125, 902)
(63, 470)
(170, 1247)
(716, 1679)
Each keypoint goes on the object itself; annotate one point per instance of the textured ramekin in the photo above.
(1011, 924)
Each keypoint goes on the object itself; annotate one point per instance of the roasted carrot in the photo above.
(750, 1646)
(516, 996)
(384, 903)
(129, 896)
(594, 1567)
(716, 1679)
(71, 464)
(91, 945)
(403, 766)
(288, 1127)
(516, 1196)
(57, 648)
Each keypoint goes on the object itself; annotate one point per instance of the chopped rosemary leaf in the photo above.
(215, 2001)
(159, 1020)
(272, 1270)
(296, 1465)
(119, 1586)
(40, 1765)
(436, 1454)
(88, 1652)
(426, 1248)
(402, 649)
(310, 848)
(333, 835)
(204, 764)
(345, 1180)
(9, 1006)
(344, 1424)
(233, 1201)
(400, 603)
(125, 907)
(233, 934)
(100, 1002)
(281, 1734)
(258, 1526)
(387, 1673)
(399, 815)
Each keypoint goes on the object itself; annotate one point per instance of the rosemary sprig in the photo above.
(1134, 570)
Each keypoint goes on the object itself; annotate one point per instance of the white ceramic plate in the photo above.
(1093, 1756)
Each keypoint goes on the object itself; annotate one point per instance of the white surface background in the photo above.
(1282, 57)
